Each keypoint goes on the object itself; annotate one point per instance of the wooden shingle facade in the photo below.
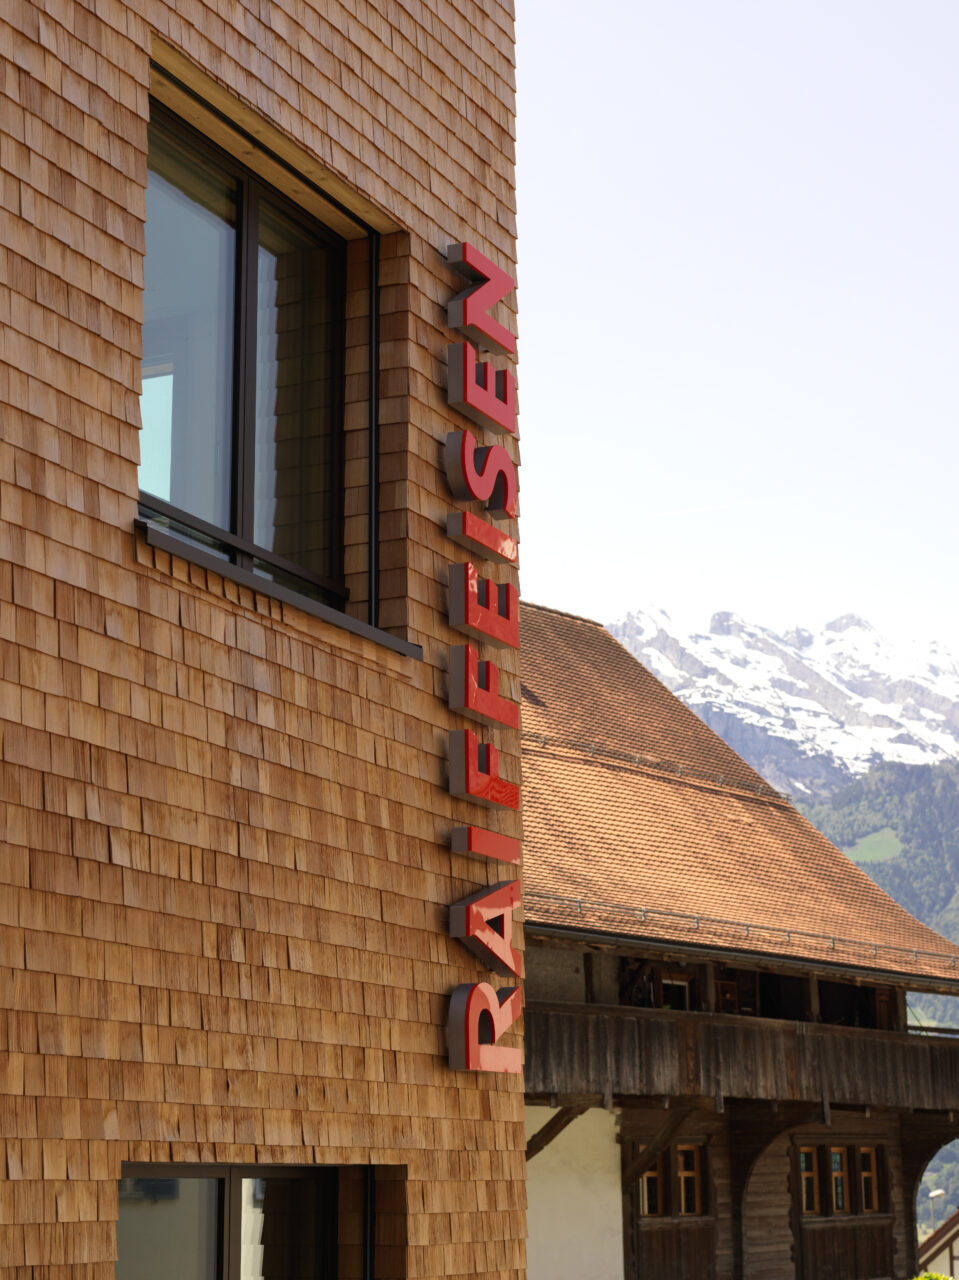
(225, 862)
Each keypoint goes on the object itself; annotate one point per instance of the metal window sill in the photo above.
(160, 538)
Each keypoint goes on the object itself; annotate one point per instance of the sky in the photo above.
(739, 309)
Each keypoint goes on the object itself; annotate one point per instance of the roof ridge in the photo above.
(677, 772)
(563, 613)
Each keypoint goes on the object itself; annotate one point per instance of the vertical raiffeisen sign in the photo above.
(488, 615)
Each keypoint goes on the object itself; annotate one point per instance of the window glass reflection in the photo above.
(287, 1229)
(168, 1227)
(156, 438)
(295, 351)
(187, 401)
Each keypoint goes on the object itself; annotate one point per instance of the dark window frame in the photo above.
(688, 1177)
(670, 1183)
(655, 1175)
(235, 544)
(855, 1208)
(230, 1178)
(810, 1177)
(839, 1177)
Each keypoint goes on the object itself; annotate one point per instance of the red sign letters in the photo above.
(487, 613)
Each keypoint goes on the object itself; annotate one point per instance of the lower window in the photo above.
(869, 1194)
(809, 1179)
(690, 1183)
(674, 1185)
(651, 1190)
(217, 1223)
(835, 1181)
(838, 1179)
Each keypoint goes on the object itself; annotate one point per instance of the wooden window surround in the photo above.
(727, 997)
(839, 1179)
(676, 992)
(651, 1190)
(868, 1180)
(673, 1186)
(689, 1181)
(809, 1180)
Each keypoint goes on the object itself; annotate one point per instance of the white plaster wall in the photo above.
(575, 1206)
(941, 1263)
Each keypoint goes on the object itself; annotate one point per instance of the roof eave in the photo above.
(639, 942)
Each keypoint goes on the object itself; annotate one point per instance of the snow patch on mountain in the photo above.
(809, 710)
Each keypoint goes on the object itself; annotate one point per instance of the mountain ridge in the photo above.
(809, 710)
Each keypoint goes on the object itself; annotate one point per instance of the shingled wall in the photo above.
(225, 873)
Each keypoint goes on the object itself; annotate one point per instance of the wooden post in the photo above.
(901, 1013)
(812, 999)
(709, 988)
(589, 977)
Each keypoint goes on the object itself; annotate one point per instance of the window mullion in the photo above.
(245, 370)
(232, 1236)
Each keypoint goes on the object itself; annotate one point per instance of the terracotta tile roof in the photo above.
(639, 820)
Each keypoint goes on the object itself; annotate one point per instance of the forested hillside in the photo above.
(920, 805)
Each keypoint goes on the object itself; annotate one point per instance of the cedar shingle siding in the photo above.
(225, 866)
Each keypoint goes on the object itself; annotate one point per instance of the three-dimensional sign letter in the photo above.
(484, 924)
(469, 310)
(474, 772)
(479, 1017)
(485, 396)
(474, 689)
(482, 609)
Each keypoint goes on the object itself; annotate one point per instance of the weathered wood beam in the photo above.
(553, 1128)
(647, 1157)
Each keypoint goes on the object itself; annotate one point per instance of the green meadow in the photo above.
(876, 847)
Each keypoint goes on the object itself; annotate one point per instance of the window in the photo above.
(242, 368)
(651, 1190)
(867, 1180)
(727, 997)
(674, 1184)
(212, 1224)
(675, 993)
(839, 1179)
(689, 1181)
(809, 1179)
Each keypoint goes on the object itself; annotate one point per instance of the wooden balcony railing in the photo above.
(577, 1050)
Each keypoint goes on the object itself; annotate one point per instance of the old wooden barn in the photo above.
(720, 1079)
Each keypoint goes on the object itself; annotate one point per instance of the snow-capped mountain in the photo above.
(808, 710)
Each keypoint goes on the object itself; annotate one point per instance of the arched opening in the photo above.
(825, 1198)
(937, 1212)
(925, 1137)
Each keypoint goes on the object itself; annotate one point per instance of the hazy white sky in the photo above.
(739, 308)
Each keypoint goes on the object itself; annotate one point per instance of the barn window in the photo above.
(839, 1179)
(809, 1179)
(689, 1179)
